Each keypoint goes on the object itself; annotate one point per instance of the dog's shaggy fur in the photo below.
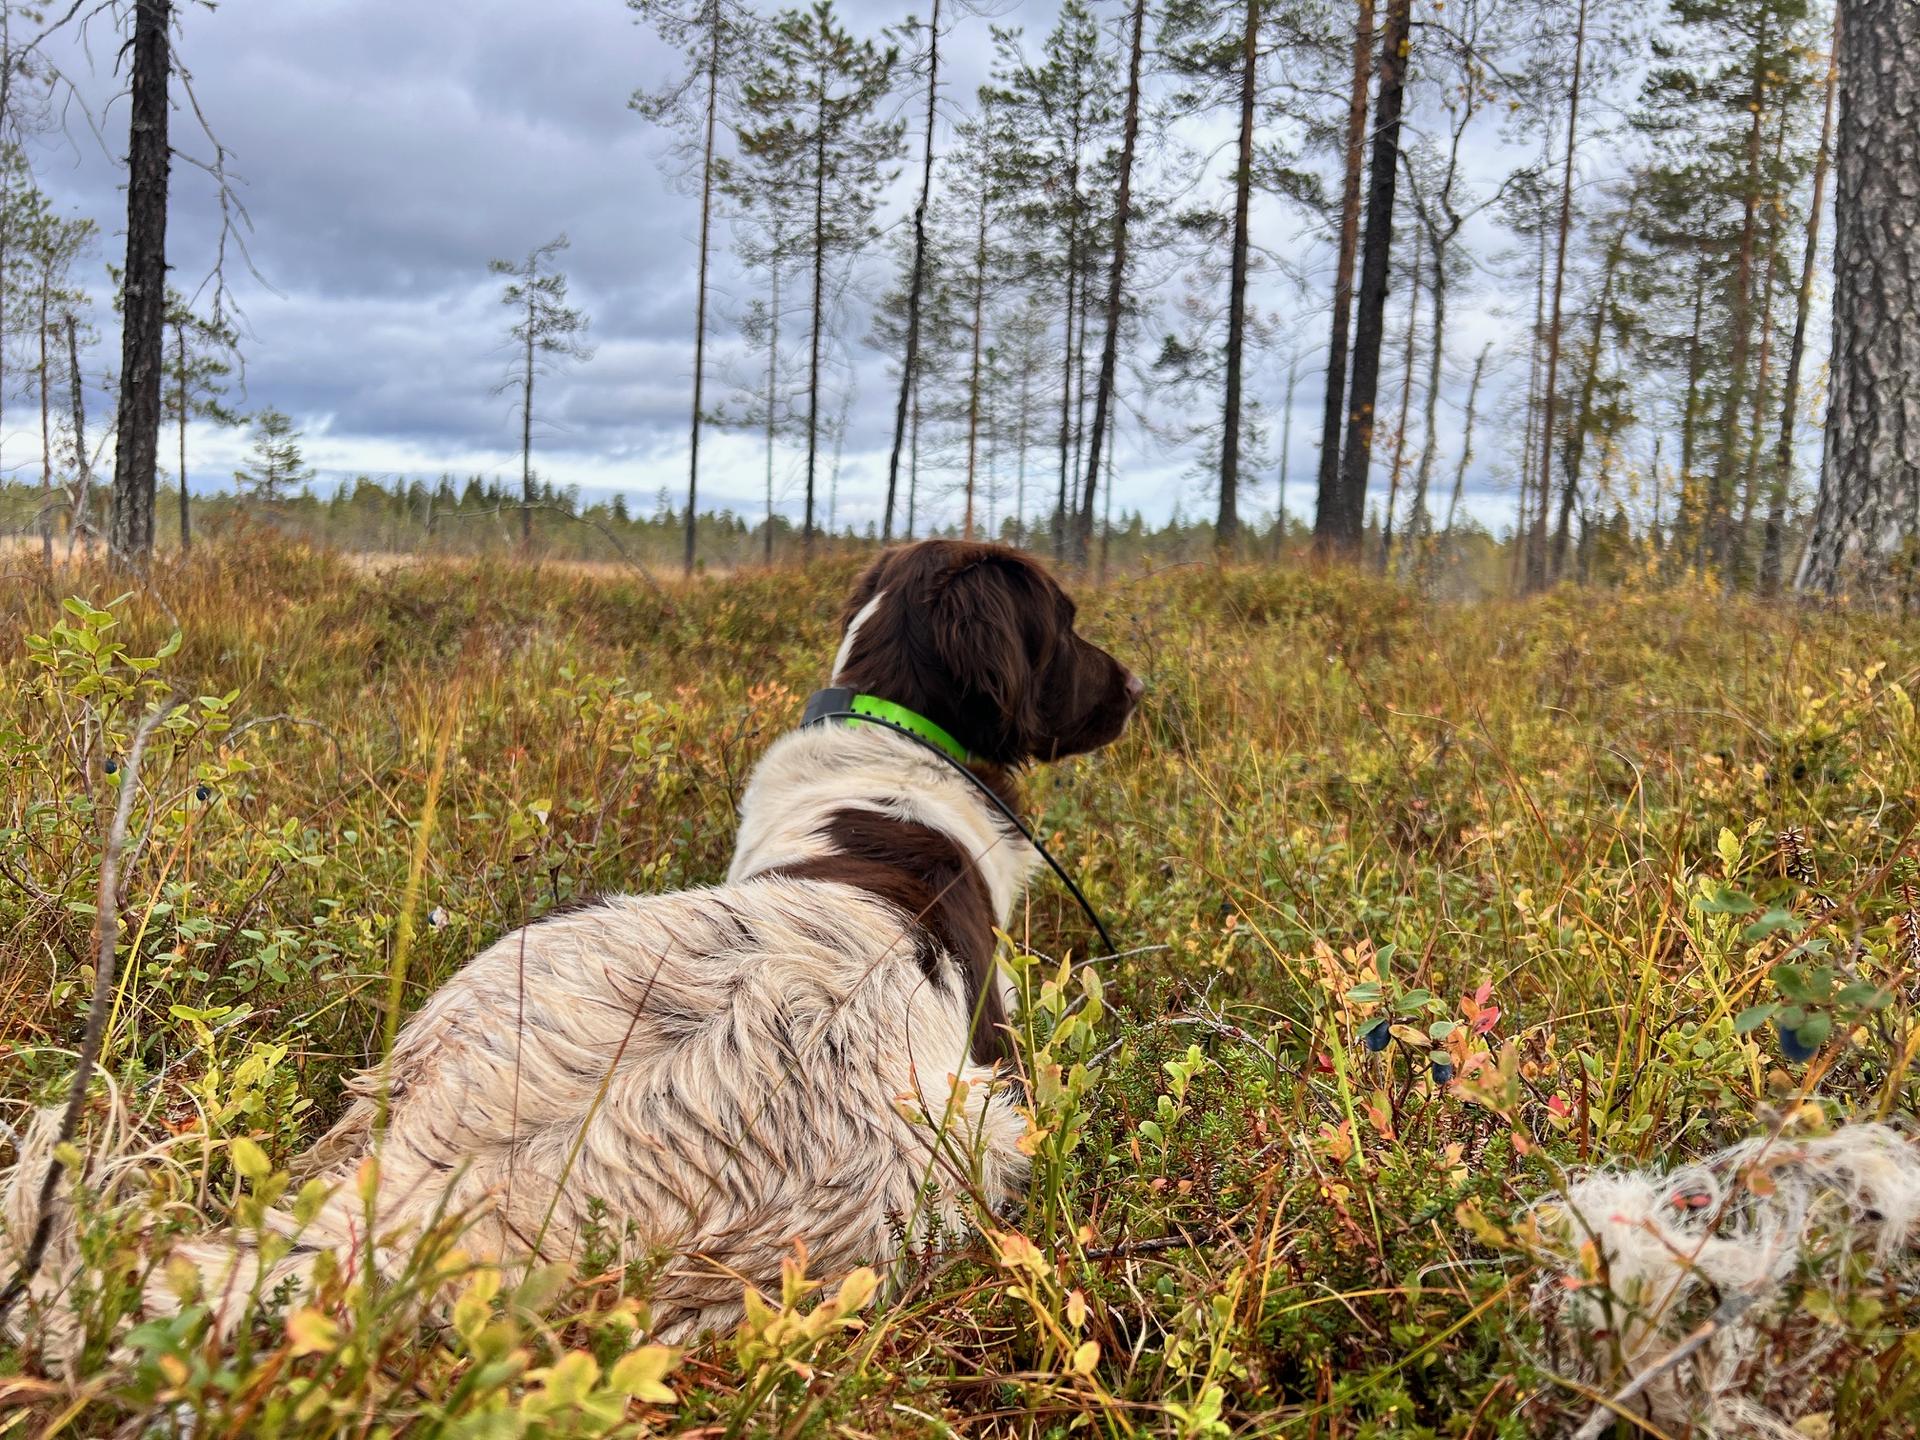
(808, 1053)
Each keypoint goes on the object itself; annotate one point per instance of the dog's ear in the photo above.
(982, 623)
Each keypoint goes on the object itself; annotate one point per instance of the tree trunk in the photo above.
(916, 282)
(1375, 253)
(180, 353)
(913, 461)
(819, 319)
(1330, 533)
(1772, 554)
(1226, 530)
(1116, 289)
(1763, 370)
(773, 386)
(526, 433)
(143, 289)
(1286, 456)
(1537, 546)
(1870, 479)
(1066, 404)
(1020, 476)
(1575, 450)
(1466, 443)
(1720, 499)
(700, 297)
(1406, 403)
(1690, 418)
(82, 468)
(1529, 451)
(973, 373)
(46, 437)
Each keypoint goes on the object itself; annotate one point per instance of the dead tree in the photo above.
(144, 289)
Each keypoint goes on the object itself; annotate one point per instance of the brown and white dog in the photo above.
(807, 1053)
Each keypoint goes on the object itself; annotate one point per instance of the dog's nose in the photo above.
(1136, 687)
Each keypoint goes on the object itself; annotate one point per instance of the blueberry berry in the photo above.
(1379, 1036)
(1442, 1072)
(1792, 1046)
(113, 765)
(202, 793)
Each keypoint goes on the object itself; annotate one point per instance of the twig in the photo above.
(1729, 1313)
(107, 933)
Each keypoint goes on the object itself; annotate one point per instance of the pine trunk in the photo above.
(700, 297)
(1330, 533)
(819, 319)
(1720, 499)
(1376, 247)
(973, 373)
(143, 289)
(1466, 441)
(1226, 530)
(1116, 290)
(916, 282)
(1406, 403)
(1575, 451)
(82, 469)
(1870, 479)
(180, 354)
(526, 432)
(1537, 545)
(1772, 554)
(46, 438)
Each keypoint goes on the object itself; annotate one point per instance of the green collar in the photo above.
(842, 703)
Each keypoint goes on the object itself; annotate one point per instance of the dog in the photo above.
(810, 1054)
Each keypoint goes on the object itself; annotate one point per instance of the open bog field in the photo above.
(1424, 908)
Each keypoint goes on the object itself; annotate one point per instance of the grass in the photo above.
(1541, 842)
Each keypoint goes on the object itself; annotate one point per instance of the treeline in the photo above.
(1186, 217)
(485, 516)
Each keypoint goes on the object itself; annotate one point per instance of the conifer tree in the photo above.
(277, 463)
(812, 108)
(714, 36)
(200, 362)
(546, 332)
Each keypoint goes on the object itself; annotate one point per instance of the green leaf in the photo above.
(1727, 902)
(1814, 1033)
(1865, 995)
(1753, 1017)
(1771, 923)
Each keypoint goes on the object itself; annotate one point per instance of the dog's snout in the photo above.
(1136, 687)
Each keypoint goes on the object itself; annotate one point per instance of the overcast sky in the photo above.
(390, 150)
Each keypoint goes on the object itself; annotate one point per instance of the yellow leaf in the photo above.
(570, 1378)
(312, 1332)
(250, 1160)
(1076, 1309)
(1086, 1357)
(856, 1290)
(641, 1373)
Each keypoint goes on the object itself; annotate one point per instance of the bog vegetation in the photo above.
(1423, 907)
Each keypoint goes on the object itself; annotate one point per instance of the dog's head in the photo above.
(980, 640)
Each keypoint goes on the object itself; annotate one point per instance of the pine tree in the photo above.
(812, 104)
(143, 286)
(276, 464)
(199, 363)
(714, 36)
(546, 332)
(1058, 117)
(1870, 486)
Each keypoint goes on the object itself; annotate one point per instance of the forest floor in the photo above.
(1425, 907)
